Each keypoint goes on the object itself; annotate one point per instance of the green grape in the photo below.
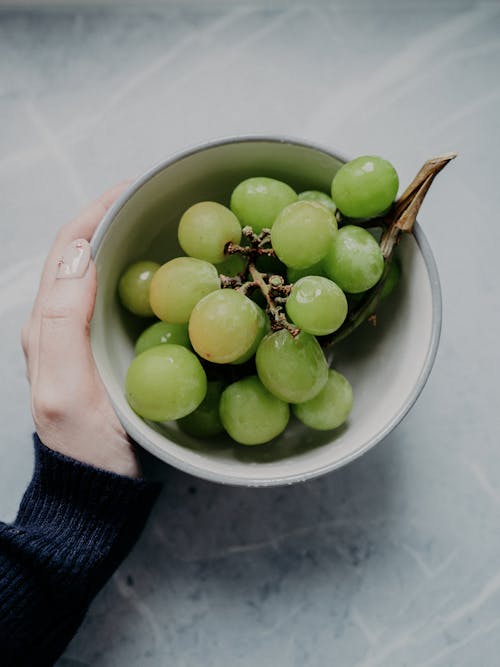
(223, 326)
(231, 265)
(165, 382)
(302, 233)
(251, 414)
(178, 285)
(316, 305)
(264, 326)
(293, 369)
(292, 275)
(257, 201)
(365, 187)
(354, 260)
(204, 421)
(320, 197)
(160, 333)
(330, 408)
(133, 287)
(206, 228)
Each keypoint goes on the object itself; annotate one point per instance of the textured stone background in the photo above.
(394, 560)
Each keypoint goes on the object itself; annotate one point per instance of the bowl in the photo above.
(387, 365)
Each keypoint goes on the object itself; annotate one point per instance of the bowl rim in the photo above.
(278, 480)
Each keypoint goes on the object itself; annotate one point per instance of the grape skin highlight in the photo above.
(365, 187)
(251, 414)
(316, 305)
(178, 285)
(302, 233)
(257, 201)
(206, 228)
(223, 326)
(134, 285)
(354, 260)
(161, 333)
(165, 382)
(293, 369)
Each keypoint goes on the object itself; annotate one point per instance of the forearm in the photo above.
(75, 525)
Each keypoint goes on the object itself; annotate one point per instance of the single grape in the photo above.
(258, 200)
(160, 333)
(293, 369)
(320, 197)
(251, 414)
(365, 187)
(206, 228)
(316, 305)
(330, 408)
(165, 382)
(204, 421)
(302, 233)
(354, 260)
(292, 275)
(223, 326)
(178, 285)
(264, 326)
(231, 265)
(134, 285)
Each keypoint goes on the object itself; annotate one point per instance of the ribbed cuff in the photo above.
(94, 516)
(62, 486)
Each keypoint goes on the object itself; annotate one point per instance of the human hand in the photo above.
(71, 409)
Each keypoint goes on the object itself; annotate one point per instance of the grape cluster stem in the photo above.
(272, 286)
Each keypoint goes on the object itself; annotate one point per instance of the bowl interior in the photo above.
(387, 364)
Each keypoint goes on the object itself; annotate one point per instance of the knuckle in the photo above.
(55, 312)
(49, 408)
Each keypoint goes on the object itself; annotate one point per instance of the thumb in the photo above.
(65, 362)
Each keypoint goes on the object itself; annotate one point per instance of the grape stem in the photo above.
(275, 292)
(272, 286)
(400, 218)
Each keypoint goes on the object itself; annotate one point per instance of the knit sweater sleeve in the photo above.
(75, 525)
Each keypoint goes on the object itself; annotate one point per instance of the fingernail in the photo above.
(75, 259)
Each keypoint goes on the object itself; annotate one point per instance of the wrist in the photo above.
(104, 446)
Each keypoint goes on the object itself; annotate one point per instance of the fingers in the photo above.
(64, 362)
(71, 410)
(83, 226)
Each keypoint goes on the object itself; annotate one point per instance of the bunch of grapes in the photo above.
(245, 315)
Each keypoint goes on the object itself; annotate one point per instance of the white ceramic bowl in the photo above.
(387, 365)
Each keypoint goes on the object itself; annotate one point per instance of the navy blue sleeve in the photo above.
(75, 525)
